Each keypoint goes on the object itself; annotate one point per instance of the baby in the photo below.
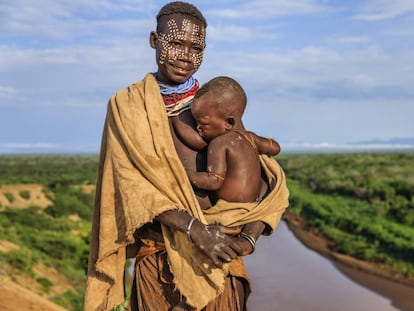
(233, 166)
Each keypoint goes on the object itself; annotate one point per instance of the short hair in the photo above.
(181, 8)
(228, 93)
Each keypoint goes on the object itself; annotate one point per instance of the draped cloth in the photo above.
(140, 176)
(269, 210)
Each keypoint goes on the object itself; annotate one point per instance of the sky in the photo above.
(316, 72)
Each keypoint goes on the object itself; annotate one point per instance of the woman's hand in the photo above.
(245, 246)
(216, 242)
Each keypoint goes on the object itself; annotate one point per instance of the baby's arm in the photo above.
(266, 145)
(188, 134)
(213, 179)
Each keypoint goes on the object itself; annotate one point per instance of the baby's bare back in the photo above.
(242, 182)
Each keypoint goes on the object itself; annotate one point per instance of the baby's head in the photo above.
(218, 107)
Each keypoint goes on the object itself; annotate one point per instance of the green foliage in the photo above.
(24, 194)
(46, 283)
(376, 226)
(70, 200)
(383, 179)
(49, 236)
(9, 196)
(69, 298)
(49, 170)
(363, 203)
(32, 218)
(22, 259)
(121, 307)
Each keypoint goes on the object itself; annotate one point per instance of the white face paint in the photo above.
(181, 38)
(220, 235)
(218, 247)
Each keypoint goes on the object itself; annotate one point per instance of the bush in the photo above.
(9, 196)
(25, 194)
(46, 283)
(22, 259)
(75, 300)
(71, 201)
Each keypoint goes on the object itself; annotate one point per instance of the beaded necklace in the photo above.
(178, 98)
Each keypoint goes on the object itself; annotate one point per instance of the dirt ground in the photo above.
(15, 297)
(37, 196)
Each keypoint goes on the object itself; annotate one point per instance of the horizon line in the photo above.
(48, 148)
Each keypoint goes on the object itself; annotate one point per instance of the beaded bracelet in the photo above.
(249, 239)
(188, 228)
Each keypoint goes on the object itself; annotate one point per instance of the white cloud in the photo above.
(270, 8)
(348, 40)
(72, 55)
(230, 33)
(315, 69)
(68, 75)
(300, 117)
(7, 92)
(323, 94)
(62, 19)
(374, 10)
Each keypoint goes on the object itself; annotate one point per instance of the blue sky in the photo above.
(317, 72)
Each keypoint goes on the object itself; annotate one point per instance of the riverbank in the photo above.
(374, 276)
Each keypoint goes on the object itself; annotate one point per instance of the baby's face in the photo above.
(210, 122)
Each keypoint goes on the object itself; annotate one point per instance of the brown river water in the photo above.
(288, 276)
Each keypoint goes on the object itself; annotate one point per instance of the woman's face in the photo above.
(179, 48)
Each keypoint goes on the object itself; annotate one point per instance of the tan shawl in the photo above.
(140, 177)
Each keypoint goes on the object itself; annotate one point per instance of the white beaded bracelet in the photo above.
(249, 239)
(188, 228)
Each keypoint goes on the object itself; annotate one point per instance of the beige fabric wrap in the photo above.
(140, 176)
(269, 210)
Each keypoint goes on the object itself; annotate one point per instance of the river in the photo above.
(288, 276)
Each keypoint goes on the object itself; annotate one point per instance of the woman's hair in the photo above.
(181, 8)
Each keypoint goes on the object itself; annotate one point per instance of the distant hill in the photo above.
(389, 145)
(408, 141)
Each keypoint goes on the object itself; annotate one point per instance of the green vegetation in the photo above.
(49, 170)
(24, 194)
(9, 196)
(46, 283)
(363, 203)
(50, 236)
